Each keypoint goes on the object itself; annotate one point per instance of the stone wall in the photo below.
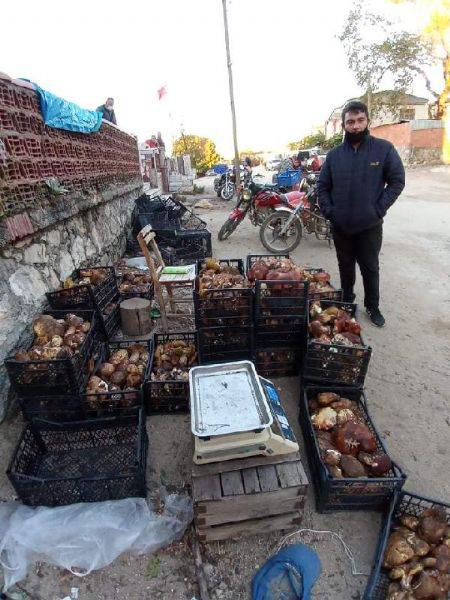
(39, 263)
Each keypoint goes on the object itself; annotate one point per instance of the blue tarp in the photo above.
(61, 114)
(288, 575)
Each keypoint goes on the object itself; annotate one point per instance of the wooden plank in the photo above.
(251, 481)
(206, 488)
(242, 463)
(252, 527)
(302, 473)
(232, 483)
(288, 474)
(240, 508)
(268, 479)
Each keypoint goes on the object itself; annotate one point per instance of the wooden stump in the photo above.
(135, 315)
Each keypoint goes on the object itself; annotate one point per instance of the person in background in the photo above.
(359, 181)
(160, 141)
(315, 162)
(107, 111)
(152, 142)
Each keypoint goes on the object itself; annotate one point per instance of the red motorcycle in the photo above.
(259, 201)
(282, 230)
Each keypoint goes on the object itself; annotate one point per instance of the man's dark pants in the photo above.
(362, 248)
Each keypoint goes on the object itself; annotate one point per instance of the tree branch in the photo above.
(427, 80)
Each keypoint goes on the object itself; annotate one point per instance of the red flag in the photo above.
(162, 92)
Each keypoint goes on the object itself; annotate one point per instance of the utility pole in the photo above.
(230, 82)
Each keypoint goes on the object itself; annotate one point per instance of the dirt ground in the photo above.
(407, 390)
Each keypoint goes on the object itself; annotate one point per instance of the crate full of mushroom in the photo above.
(266, 267)
(85, 289)
(222, 295)
(117, 384)
(59, 359)
(349, 463)
(167, 389)
(412, 560)
(335, 352)
(133, 282)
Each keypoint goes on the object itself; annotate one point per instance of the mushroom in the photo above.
(432, 525)
(324, 419)
(106, 370)
(326, 398)
(351, 467)
(397, 552)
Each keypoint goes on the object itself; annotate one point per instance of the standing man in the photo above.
(107, 111)
(358, 182)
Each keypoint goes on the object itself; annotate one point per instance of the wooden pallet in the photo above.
(248, 496)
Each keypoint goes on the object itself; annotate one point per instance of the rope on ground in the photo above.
(334, 535)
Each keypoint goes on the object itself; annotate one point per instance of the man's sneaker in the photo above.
(375, 316)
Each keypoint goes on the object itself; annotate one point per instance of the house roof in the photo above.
(406, 100)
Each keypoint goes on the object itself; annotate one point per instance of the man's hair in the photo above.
(354, 106)
(107, 99)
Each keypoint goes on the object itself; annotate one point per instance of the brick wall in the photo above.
(31, 153)
(399, 133)
(417, 142)
(427, 138)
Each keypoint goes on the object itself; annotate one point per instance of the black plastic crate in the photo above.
(186, 249)
(109, 319)
(253, 258)
(402, 503)
(165, 213)
(62, 376)
(362, 493)
(225, 307)
(165, 397)
(278, 362)
(55, 464)
(280, 331)
(225, 344)
(334, 363)
(328, 295)
(85, 296)
(281, 298)
(88, 406)
(224, 262)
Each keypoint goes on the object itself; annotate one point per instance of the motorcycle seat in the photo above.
(265, 186)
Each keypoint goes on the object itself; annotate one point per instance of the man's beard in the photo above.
(357, 137)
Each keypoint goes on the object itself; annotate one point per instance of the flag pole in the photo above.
(230, 82)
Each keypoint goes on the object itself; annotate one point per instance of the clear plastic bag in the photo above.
(85, 537)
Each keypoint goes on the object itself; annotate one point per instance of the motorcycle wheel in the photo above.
(227, 229)
(227, 192)
(269, 233)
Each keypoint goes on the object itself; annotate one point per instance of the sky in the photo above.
(289, 68)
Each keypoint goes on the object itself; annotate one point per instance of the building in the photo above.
(410, 108)
(418, 142)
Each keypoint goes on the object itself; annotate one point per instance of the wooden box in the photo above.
(248, 496)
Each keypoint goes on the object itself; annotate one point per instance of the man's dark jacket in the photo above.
(108, 115)
(356, 187)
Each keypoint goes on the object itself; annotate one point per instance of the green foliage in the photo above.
(309, 141)
(253, 155)
(332, 142)
(153, 565)
(202, 151)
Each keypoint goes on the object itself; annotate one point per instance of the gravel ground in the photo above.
(407, 390)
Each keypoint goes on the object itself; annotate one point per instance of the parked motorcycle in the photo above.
(282, 230)
(225, 186)
(259, 202)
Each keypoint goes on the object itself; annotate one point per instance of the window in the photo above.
(407, 114)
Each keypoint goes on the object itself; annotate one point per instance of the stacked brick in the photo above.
(31, 152)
